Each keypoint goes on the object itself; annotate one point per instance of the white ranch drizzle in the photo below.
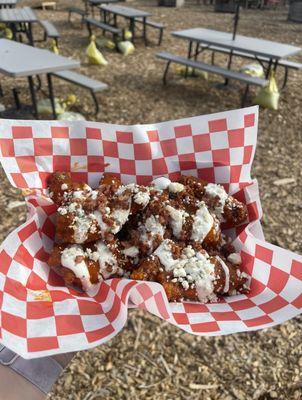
(80, 269)
(235, 258)
(202, 224)
(105, 258)
(214, 190)
(177, 219)
(193, 269)
(226, 274)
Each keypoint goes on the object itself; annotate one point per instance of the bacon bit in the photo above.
(79, 259)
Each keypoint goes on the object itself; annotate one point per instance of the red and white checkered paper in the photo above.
(218, 147)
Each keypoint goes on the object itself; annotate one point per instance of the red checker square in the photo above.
(235, 173)
(247, 154)
(181, 318)
(43, 147)
(42, 344)
(225, 316)
(22, 132)
(273, 305)
(264, 254)
(89, 307)
(27, 231)
(265, 319)
(174, 176)
(102, 294)
(205, 327)
(26, 163)
(61, 163)
(144, 179)
(42, 255)
(153, 136)
(110, 149)
(96, 163)
(93, 133)
(5, 261)
(39, 309)
(208, 174)
(277, 279)
(218, 125)
(99, 334)
(243, 304)
(202, 142)
(60, 132)
(23, 257)
(183, 130)
(68, 324)
(113, 284)
(195, 308)
(126, 290)
(113, 313)
(296, 269)
(142, 151)
(249, 120)
(236, 137)
(297, 302)
(78, 147)
(159, 167)
(221, 157)
(35, 282)
(7, 147)
(13, 324)
(187, 162)
(253, 213)
(49, 228)
(145, 291)
(15, 289)
(161, 306)
(169, 147)
(79, 176)
(44, 176)
(124, 137)
(58, 295)
(19, 181)
(257, 287)
(127, 167)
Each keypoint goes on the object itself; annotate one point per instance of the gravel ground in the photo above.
(151, 359)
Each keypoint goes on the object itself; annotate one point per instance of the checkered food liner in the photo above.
(40, 316)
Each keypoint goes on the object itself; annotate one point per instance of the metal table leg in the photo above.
(51, 96)
(132, 28)
(30, 34)
(189, 56)
(145, 31)
(33, 96)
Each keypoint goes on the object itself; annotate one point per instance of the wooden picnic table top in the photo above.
(35, 61)
(245, 44)
(127, 12)
(18, 15)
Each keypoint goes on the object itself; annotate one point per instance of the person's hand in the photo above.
(29, 379)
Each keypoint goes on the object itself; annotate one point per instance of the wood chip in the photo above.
(284, 181)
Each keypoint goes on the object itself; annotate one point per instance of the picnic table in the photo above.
(8, 3)
(128, 13)
(34, 62)
(244, 45)
(20, 20)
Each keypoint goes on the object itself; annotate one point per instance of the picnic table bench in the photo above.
(116, 32)
(156, 25)
(50, 31)
(76, 10)
(92, 85)
(286, 64)
(226, 73)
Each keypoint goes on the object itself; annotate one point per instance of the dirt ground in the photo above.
(151, 359)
